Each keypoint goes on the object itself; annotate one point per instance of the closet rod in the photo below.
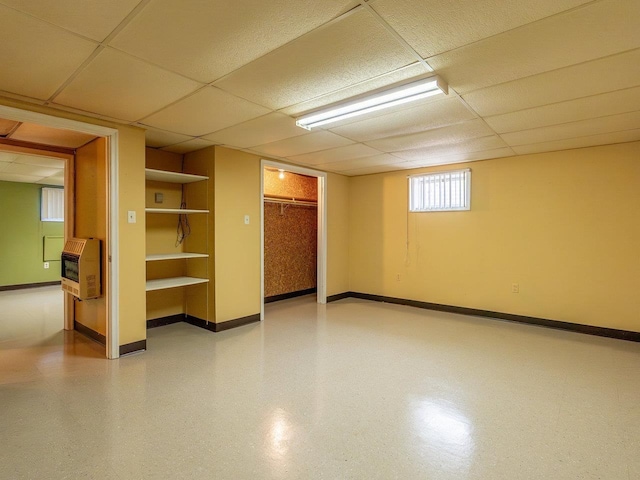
(290, 202)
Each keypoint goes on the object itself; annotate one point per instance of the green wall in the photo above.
(21, 236)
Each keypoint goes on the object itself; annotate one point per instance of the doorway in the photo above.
(321, 240)
(109, 137)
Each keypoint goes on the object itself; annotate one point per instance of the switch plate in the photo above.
(46, 265)
(131, 216)
(246, 219)
(159, 197)
(515, 288)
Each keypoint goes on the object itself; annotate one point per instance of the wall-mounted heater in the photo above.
(81, 268)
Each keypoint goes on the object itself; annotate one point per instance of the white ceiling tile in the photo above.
(269, 128)
(13, 177)
(31, 170)
(386, 79)
(36, 56)
(434, 26)
(607, 74)
(372, 170)
(357, 150)
(188, 146)
(357, 163)
(92, 18)
(57, 137)
(437, 136)
(583, 128)
(467, 157)
(206, 111)
(52, 181)
(120, 86)
(308, 67)
(409, 120)
(611, 103)
(580, 142)
(205, 40)
(311, 142)
(155, 138)
(596, 30)
(39, 161)
(7, 157)
(435, 152)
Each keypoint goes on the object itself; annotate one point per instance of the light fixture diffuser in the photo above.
(387, 98)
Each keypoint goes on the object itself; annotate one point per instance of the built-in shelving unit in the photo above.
(153, 284)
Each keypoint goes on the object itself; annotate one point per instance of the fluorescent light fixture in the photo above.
(387, 98)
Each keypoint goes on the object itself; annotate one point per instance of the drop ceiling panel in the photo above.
(160, 138)
(462, 157)
(434, 26)
(594, 126)
(7, 157)
(39, 161)
(31, 170)
(606, 104)
(580, 142)
(607, 74)
(120, 86)
(206, 111)
(205, 40)
(189, 146)
(52, 181)
(356, 163)
(267, 129)
(433, 153)
(438, 136)
(309, 67)
(12, 177)
(373, 169)
(381, 81)
(357, 150)
(596, 30)
(37, 57)
(311, 142)
(57, 137)
(92, 18)
(409, 120)
(7, 126)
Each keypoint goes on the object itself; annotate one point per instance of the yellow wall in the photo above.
(237, 246)
(337, 192)
(131, 240)
(565, 226)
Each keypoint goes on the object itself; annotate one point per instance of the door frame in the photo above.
(321, 282)
(111, 134)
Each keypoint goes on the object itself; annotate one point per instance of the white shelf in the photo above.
(174, 256)
(179, 211)
(163, 283)
(172, 177)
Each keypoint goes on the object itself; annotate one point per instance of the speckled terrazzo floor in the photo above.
(351, 390)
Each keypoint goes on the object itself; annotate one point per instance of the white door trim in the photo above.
(11, 113)
(322, 226)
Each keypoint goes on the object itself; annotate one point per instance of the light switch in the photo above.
(159, 197)
(131, 216)
(246, 219)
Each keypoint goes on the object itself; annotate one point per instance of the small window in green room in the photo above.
(440, 192)
(52, 205)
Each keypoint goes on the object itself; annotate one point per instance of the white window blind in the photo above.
(52, 208)
(442, 191)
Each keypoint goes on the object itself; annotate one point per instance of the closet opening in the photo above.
(293, 233)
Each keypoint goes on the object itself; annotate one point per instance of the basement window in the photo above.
(52, 205)
(440, 192)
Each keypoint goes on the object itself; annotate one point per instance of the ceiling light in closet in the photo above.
(381, 99)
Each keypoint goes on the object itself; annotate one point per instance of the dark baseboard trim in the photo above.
(29, 285)
(222, 326)
(543, 322)
(161, 322)
(339, 296)
(91, 333)
(284, 296)
(139, 346)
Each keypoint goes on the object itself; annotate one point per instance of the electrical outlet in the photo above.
(46, 265)
(131, 216)
(398, 277)
(246, 219)
(515, 288)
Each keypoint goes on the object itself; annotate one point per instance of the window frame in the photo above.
(467, 193)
